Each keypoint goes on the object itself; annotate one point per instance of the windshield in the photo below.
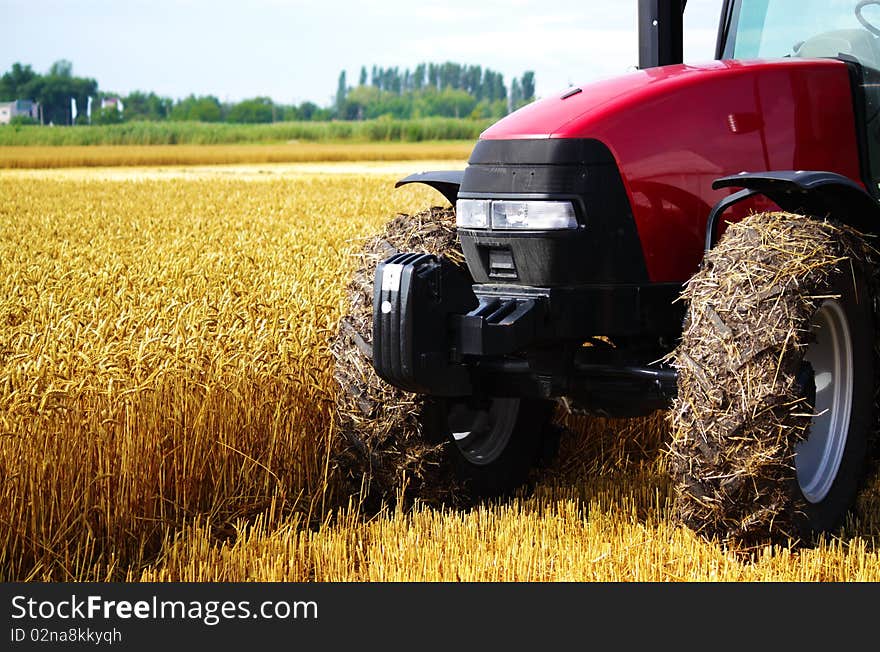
(762, 29)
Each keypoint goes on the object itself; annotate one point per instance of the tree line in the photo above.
(430, 89)
(447, 89)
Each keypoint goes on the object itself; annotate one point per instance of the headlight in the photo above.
(515, 214)
(537, 215)
(472, 213)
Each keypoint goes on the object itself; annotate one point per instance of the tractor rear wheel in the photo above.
(398, 445)
(776, 382)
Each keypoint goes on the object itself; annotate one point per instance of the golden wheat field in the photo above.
(166, 404)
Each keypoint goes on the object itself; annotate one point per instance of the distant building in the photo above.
(111, 102)
(9, 110)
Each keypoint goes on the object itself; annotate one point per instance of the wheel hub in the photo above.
(817, 459)
(482, 432)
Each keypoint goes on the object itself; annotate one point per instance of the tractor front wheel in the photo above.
(776, 382)
(398, 445)
(493, 443)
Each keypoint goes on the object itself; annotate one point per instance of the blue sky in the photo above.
(293, 50)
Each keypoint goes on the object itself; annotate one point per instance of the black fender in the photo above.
(808, 192)
(447, 182)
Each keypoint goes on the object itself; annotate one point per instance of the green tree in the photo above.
(486, 109)
(322, 115)
(61, 68)
(256, 110)
(198, 109)
(449, 102)
(528, 86)
(109, 115)
(55, 90)
(427, 91)
(418, 77)
(140, 105)
(515, 95)
(341, 91)
(307, 110)
(359, 101)
(14, 85)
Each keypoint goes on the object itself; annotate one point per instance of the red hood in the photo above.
(585, 114)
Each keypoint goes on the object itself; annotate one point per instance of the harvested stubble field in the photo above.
(166, 401)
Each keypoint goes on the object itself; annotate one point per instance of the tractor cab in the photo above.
(812, 29)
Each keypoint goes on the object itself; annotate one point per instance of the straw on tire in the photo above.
(397, 444)
(740, 409)
(383, 454)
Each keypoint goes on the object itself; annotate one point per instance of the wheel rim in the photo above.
(483, 432)
(817, 459)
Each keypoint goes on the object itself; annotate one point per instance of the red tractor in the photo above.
(583, 219)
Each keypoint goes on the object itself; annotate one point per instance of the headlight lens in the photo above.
(537, 215)
(472, 213)
(515, 214)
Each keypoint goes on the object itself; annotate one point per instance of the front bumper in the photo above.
(435, 333)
